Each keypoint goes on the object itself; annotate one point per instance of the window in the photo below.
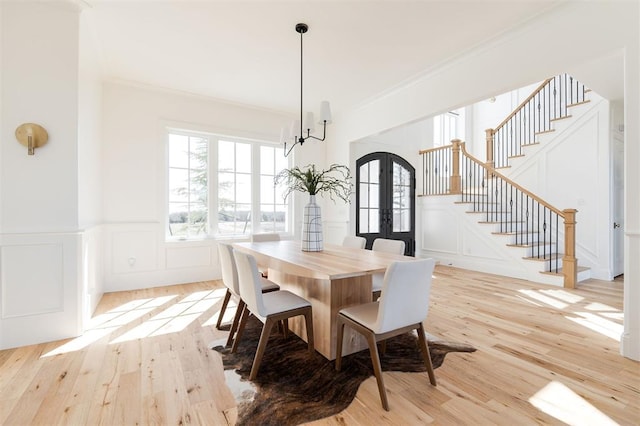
(188, 186)
(448, 126)
(233, 178)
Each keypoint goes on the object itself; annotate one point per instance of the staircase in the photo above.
(537, 232)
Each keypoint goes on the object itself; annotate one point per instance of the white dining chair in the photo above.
(402, 307)
(230, 281)
(271, 236)
(353, 241)
(269, 308)
(267, 236)
(386, 246)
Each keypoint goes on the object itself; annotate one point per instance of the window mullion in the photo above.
(255, 184)
(213, 185)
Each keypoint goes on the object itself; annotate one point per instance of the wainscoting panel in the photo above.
(134, 251)
(440, 231)
(40, 289)
(188, 257)
(38, 269)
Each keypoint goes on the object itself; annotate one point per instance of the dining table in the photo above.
(331, 279)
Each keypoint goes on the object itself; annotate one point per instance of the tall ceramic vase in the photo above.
(312, 226)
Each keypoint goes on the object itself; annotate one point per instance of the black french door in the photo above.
(385, 199)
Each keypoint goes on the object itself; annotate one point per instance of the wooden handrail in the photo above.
(440, 148)
(522, 104)
(510, 182)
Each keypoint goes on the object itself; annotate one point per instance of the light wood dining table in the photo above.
(330, 280)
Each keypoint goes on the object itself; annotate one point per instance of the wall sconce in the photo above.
(32, 136)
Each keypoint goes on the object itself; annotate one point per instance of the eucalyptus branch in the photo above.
(335, 181)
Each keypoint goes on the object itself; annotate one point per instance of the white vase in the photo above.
(312, 226)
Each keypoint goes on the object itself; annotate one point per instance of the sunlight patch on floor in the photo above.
(104, 324)
(551, 301)
(176, 317)
(598, 324)
(560, 402)
(598, 317)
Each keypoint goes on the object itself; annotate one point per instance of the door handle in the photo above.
(616, 225)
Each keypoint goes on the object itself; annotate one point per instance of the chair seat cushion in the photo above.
(365, 315)
(282, 301)
(268, 285)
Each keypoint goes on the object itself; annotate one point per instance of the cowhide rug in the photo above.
(294, 386)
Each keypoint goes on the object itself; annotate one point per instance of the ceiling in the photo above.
(249, 52)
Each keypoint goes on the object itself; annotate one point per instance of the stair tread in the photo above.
(511, 233)
(498, 223)
(578, 269)
(564, 117)
(548, 256)
(586, 101)
(529, 245)
(542, 132)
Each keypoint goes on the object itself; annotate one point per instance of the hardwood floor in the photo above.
(545, 355)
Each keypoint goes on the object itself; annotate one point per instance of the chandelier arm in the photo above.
(287, 152)
(324, 133)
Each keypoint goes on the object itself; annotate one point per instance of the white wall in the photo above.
(89, 166)
(89, 121)
(39, 241)
(134, 126)
(40, 74)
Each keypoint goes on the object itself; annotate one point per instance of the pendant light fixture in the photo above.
(296, 133)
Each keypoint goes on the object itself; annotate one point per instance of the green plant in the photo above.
(334, 181)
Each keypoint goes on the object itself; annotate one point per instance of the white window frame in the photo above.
(213, 181)
(455, 131)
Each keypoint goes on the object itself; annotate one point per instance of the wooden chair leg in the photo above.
(309, 322)
(262, 344)
(285, 328)
(227, 296)
(383, 347)
(377, 369)
(340, 326)
(243, 323)
(425, 353)
(236, 320)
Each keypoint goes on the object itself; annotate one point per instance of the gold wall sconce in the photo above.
(32, 136)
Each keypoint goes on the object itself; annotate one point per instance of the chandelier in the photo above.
(296, 133)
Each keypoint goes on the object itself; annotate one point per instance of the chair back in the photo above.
(228, 268)
(388, 246)
(405, 294)
(249, 282)
(255, 238)
(353, 241)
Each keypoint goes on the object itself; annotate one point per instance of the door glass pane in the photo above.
(374, 196)
(374, 225)
(374, 171)
(401, 198)
(364, 195)
(364, 173)
(364, 220)
(401, 221)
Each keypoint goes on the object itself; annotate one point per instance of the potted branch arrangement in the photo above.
(334, 181)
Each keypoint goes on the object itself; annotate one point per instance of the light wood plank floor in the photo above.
(545, 356)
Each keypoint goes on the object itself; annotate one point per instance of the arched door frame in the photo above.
(385, 212)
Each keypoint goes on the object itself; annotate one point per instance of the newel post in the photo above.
(489, 138)
(455, 184)
(569, 261)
